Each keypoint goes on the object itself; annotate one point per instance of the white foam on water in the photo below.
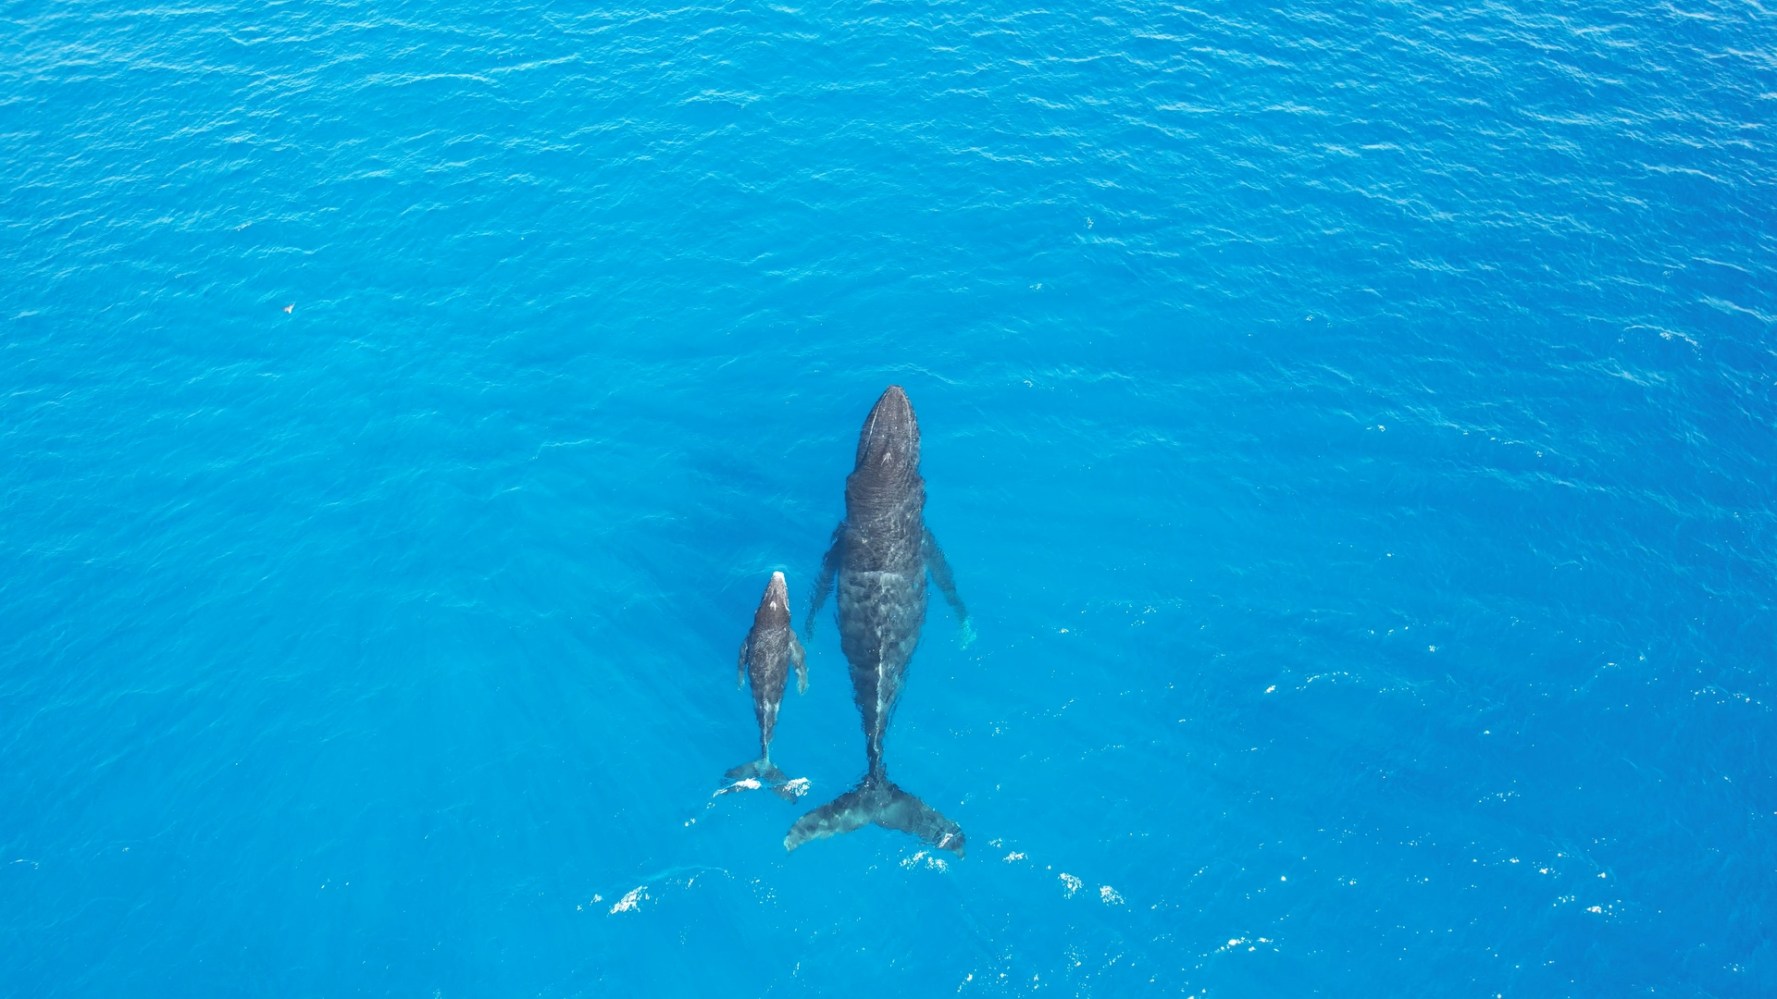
(632, 900)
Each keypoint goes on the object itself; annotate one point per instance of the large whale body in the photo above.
(880, 555)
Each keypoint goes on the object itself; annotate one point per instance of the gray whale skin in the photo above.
(880, 556)
(766, 656)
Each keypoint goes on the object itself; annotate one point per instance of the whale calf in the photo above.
(766, 656)
(880, 555)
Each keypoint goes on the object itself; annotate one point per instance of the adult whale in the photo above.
(881, 553)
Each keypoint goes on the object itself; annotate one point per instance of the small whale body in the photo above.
(766, 656)
(880, 556)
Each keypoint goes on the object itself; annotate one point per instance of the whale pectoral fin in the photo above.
(939, 567)
(799, 659)
(740, 675)
(823, 584)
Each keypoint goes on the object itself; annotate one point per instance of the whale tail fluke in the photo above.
(761, 770)
(877, 801)
(761, 773)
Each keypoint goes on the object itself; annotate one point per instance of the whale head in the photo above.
(888, 446)
(774, 606)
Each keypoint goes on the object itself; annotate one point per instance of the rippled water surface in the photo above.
(1351, 426)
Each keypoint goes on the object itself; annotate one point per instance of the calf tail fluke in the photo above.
(760, 770)
(762, 774)
(876, 801)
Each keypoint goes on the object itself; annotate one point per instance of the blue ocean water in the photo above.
(1351, 426)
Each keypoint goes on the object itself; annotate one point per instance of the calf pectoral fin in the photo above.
(799, 659)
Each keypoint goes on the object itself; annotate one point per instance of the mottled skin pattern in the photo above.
(880, 556)
(766, 656)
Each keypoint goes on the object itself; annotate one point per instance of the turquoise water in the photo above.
(1351, 427)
